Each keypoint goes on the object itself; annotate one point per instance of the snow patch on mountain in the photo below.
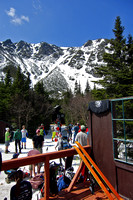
(58, 67)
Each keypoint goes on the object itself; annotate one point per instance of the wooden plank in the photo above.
(19, 162)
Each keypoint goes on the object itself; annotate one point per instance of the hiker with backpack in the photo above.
(17, 137)
(42, 130)
(76, 130)
(60, 145)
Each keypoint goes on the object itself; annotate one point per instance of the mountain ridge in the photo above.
(58, 67)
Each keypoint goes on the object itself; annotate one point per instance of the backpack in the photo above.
(69, 174)
(65, 143)
(53, 173)
(41, 132)
(65, 180)
(37, 181)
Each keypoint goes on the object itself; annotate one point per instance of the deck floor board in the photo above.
(81, 192)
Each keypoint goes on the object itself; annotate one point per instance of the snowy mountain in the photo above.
(57, 67)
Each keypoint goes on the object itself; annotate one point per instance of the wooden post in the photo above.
(46, 179)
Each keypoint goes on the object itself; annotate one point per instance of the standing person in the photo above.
(76, 129)
(24, 135)
(70, 130)
(60, 146)
(7, 139)
(17, 137)
(22, 190)
(42, 130)
(81, 137)
(38, 141)
(53, 133)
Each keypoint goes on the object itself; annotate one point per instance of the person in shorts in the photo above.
(7, 139)
(38, 141)
(24, 135)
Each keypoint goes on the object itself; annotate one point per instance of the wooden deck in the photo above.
(81, 192)
(74, 191)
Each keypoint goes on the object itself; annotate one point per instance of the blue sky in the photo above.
(65, 23)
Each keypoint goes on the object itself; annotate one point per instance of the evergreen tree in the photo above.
(79, 88)
(67, 96)
(27, 82)
(19, 83)
(39, 89)
(87, 89)
(130, 64)
(3, 102)
(8, 79)
(76, 87)
(5, 96)
(115, 73)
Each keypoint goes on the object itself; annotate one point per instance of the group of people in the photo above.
(79, 134)
(72, 134)
(19, 136)
(72, 130)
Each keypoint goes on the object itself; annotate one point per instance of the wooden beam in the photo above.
(76, 176)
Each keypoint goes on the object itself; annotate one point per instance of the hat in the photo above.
(83, 128)
(38, 131)
(15, 155)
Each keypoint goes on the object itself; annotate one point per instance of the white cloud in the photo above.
(11, 12)
(25, 18)
(15, 19)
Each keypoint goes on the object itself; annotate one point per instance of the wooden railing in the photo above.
(45, 158)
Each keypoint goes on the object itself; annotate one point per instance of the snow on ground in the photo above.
(49, 146)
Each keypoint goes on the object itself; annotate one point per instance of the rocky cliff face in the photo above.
(57, 67)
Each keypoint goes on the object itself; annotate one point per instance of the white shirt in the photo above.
(81, 137)
(23, 131)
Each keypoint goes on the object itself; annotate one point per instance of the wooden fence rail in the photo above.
(45, 158)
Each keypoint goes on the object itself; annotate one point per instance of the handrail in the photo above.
(45, 157)
(99, 171)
